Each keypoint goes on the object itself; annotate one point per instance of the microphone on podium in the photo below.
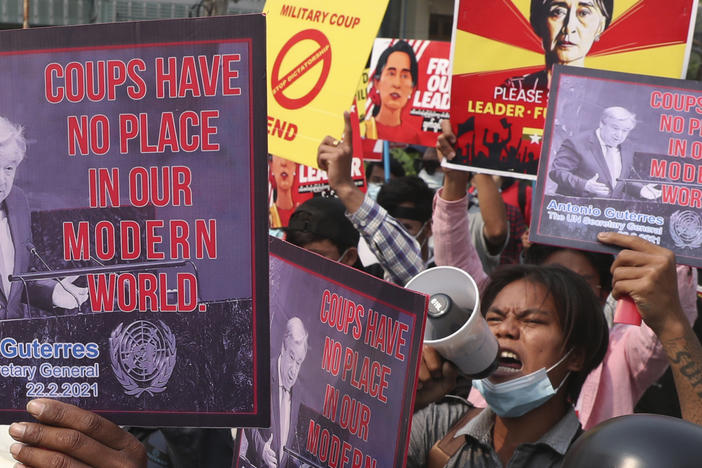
(33, 250)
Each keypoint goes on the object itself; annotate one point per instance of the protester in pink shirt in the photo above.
(635, 358)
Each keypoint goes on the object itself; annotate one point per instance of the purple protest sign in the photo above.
(621, 153)
(134, 225)
(345, 350)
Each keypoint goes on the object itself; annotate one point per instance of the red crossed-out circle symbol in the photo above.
(321, 54)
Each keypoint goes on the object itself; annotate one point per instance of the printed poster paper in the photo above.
(503, 51)
(145, 157)
(362, 94)
(316, 52)
(643, 179)
(408, 91)
(345, 350)
(291, 184)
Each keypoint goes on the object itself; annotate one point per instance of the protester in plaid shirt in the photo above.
(397, 251)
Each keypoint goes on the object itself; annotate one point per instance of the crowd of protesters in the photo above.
(563, 366)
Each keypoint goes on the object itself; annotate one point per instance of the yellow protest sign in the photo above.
(316, 51)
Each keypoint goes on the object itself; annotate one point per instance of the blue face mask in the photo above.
(373, 190)
(517, 397)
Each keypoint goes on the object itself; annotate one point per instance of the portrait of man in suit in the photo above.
(16, 240)
(266, 446)
(599, 163)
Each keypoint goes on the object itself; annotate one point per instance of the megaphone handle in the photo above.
(626, 312)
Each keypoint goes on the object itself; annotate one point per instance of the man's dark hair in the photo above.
(537, 254)
(579, 313)
(399, 46)
(321, 218)
(540, 9)
(407, 189)
(396, 168)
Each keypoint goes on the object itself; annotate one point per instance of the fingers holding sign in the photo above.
(446, 142)
(646, 273)
(70, 437)
(455, 181)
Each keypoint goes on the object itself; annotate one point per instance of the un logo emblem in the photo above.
(143, 356)
(686, 229)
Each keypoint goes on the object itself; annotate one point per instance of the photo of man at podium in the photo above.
(266, 447)
(16, 247)
(599, 163)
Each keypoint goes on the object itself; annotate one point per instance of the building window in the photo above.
(440, 27)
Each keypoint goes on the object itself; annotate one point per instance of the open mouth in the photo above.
(395, 95)
(508, 363)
